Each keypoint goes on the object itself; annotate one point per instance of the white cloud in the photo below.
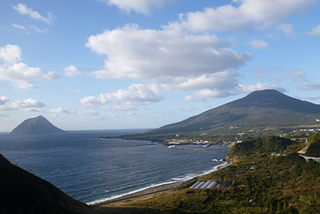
(139, 6)
(259, 44)
(72, 71)
(28, 105)
(287, 29)
(20, 73)
(24, 10)
(189, 109)
(172, 59)
(242, 15)
(50, 76)
(22, 84)
(20, 27)
(259, 86)
(100, 117)
(201, 95)
(297, 76)
(33, 110)
(122, 100)
(275, 79)
(314, 32)
(61, 111)
(270, 36)
(222, 80)
(310, 86)
(3, 100)
(72, 92)
(260, 69)
(10, 53)
(45, 30)
(89, 112)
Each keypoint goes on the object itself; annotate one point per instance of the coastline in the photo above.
(151, 190)
(143, 192)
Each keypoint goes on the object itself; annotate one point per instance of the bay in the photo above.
(92, 169)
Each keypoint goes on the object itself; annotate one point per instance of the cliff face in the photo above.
(36, 125)
(23, 192)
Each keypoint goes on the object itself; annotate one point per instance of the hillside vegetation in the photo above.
(314, 148)
(260, 183)
(262, 145)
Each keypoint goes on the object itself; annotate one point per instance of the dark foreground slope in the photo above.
(25, 193)
(259, 109)
(37, 125)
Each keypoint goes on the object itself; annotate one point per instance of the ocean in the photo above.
(91, 169)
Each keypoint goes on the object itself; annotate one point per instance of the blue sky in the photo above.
(118, 64)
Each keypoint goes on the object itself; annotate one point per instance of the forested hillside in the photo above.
(261, 145)
(314, 148)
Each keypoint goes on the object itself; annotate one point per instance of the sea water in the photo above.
(91, 169)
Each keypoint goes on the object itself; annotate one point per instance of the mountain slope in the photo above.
(259, 109)
(23, 192)
(36, 125)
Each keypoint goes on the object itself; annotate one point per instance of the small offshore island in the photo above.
(37, 125)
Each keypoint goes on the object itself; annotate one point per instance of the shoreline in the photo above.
(151, 190)
(143, 192)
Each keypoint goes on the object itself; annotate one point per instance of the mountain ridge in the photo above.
(258, 109)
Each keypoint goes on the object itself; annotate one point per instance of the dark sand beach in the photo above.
(151, 190)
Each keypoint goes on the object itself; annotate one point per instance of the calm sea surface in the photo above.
(92, 169)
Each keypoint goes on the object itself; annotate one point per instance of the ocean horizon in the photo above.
(92, 170)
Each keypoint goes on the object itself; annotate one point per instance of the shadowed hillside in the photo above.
(23, 192)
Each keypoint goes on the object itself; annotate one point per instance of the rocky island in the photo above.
(37, 125)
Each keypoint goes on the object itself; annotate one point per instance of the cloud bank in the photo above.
(20, 73)
(123, 100)
(27, 105)
(242, 15)
(169, 58)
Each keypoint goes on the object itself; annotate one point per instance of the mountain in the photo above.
(25, 193)
(259, 109)
(36, 125)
